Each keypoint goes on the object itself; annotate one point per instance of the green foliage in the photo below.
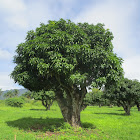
(66, 57)
(14, 102)
(1, 92)
(125, 95)
(47, 97)
(28, 94)
(62, 52)
(95, 97)
(15, 92)
(11, 93)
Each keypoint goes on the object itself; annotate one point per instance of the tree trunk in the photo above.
(138, 106)
(74, 113)
(70, 111)
(50, 104)
(100, 105)
(127, 109)
(70, 107)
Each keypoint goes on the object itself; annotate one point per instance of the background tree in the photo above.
(15, 92)
(9, 94)
(28, 94)
(47, 98)
(1, 92)
(126, 95)
(137, 93)
(67, 58)
(95, 97)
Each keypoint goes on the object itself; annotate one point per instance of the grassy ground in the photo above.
(32, 122)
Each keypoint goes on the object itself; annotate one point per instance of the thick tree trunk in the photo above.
(70, 111)
(127, 109)
(74, 113)
(71, 106)
(100, 105)
(83, 107)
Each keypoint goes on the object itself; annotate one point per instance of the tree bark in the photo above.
(47, 103)
(127, 109)
(100, 105)
(138, 106)
(70, 107)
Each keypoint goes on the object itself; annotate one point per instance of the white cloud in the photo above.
(116, 15)
(131, 67)
(6, 83)
(18, 20)
(5, 55)
(14, 13)
(12, 6)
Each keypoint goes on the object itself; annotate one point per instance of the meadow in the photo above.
(33, 122)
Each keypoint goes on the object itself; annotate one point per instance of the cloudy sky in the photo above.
(120, 16)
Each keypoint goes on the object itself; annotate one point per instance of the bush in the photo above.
(15, 102)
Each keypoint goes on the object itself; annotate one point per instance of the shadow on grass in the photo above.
(39, 109)
(43, 125)
(42, 110)
(37, 124)
(123, 114)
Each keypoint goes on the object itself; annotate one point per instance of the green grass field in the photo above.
(32, 122)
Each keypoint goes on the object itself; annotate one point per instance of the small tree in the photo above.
(47, 98)
(14, 102)
(137, 102)
(9, 94)
(95, 97)
(28, 94)
(137, 93)
(125, 95)
(15, 92)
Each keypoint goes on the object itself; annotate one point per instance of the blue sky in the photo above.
(120, 16)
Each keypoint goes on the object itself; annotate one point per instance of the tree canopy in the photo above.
(94, 97)
(126, 95)
(47, 98)
(67, 58)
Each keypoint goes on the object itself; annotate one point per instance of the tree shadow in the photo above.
(42, 109)
(38, 109)
(120, 110)
(37, 124)
(122, 114)
(88, 125)
(43, 125)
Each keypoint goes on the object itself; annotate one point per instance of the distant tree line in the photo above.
(11, 93)
(126, 95)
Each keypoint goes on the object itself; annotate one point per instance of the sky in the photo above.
(120, 16)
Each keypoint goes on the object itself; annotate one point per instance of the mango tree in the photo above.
(67, 58)
(95, 97)
(46, 97)
(126, 95)
(137, 93)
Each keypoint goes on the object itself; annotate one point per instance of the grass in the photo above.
(32, 122)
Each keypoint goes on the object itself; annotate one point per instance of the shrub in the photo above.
(15, 102)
